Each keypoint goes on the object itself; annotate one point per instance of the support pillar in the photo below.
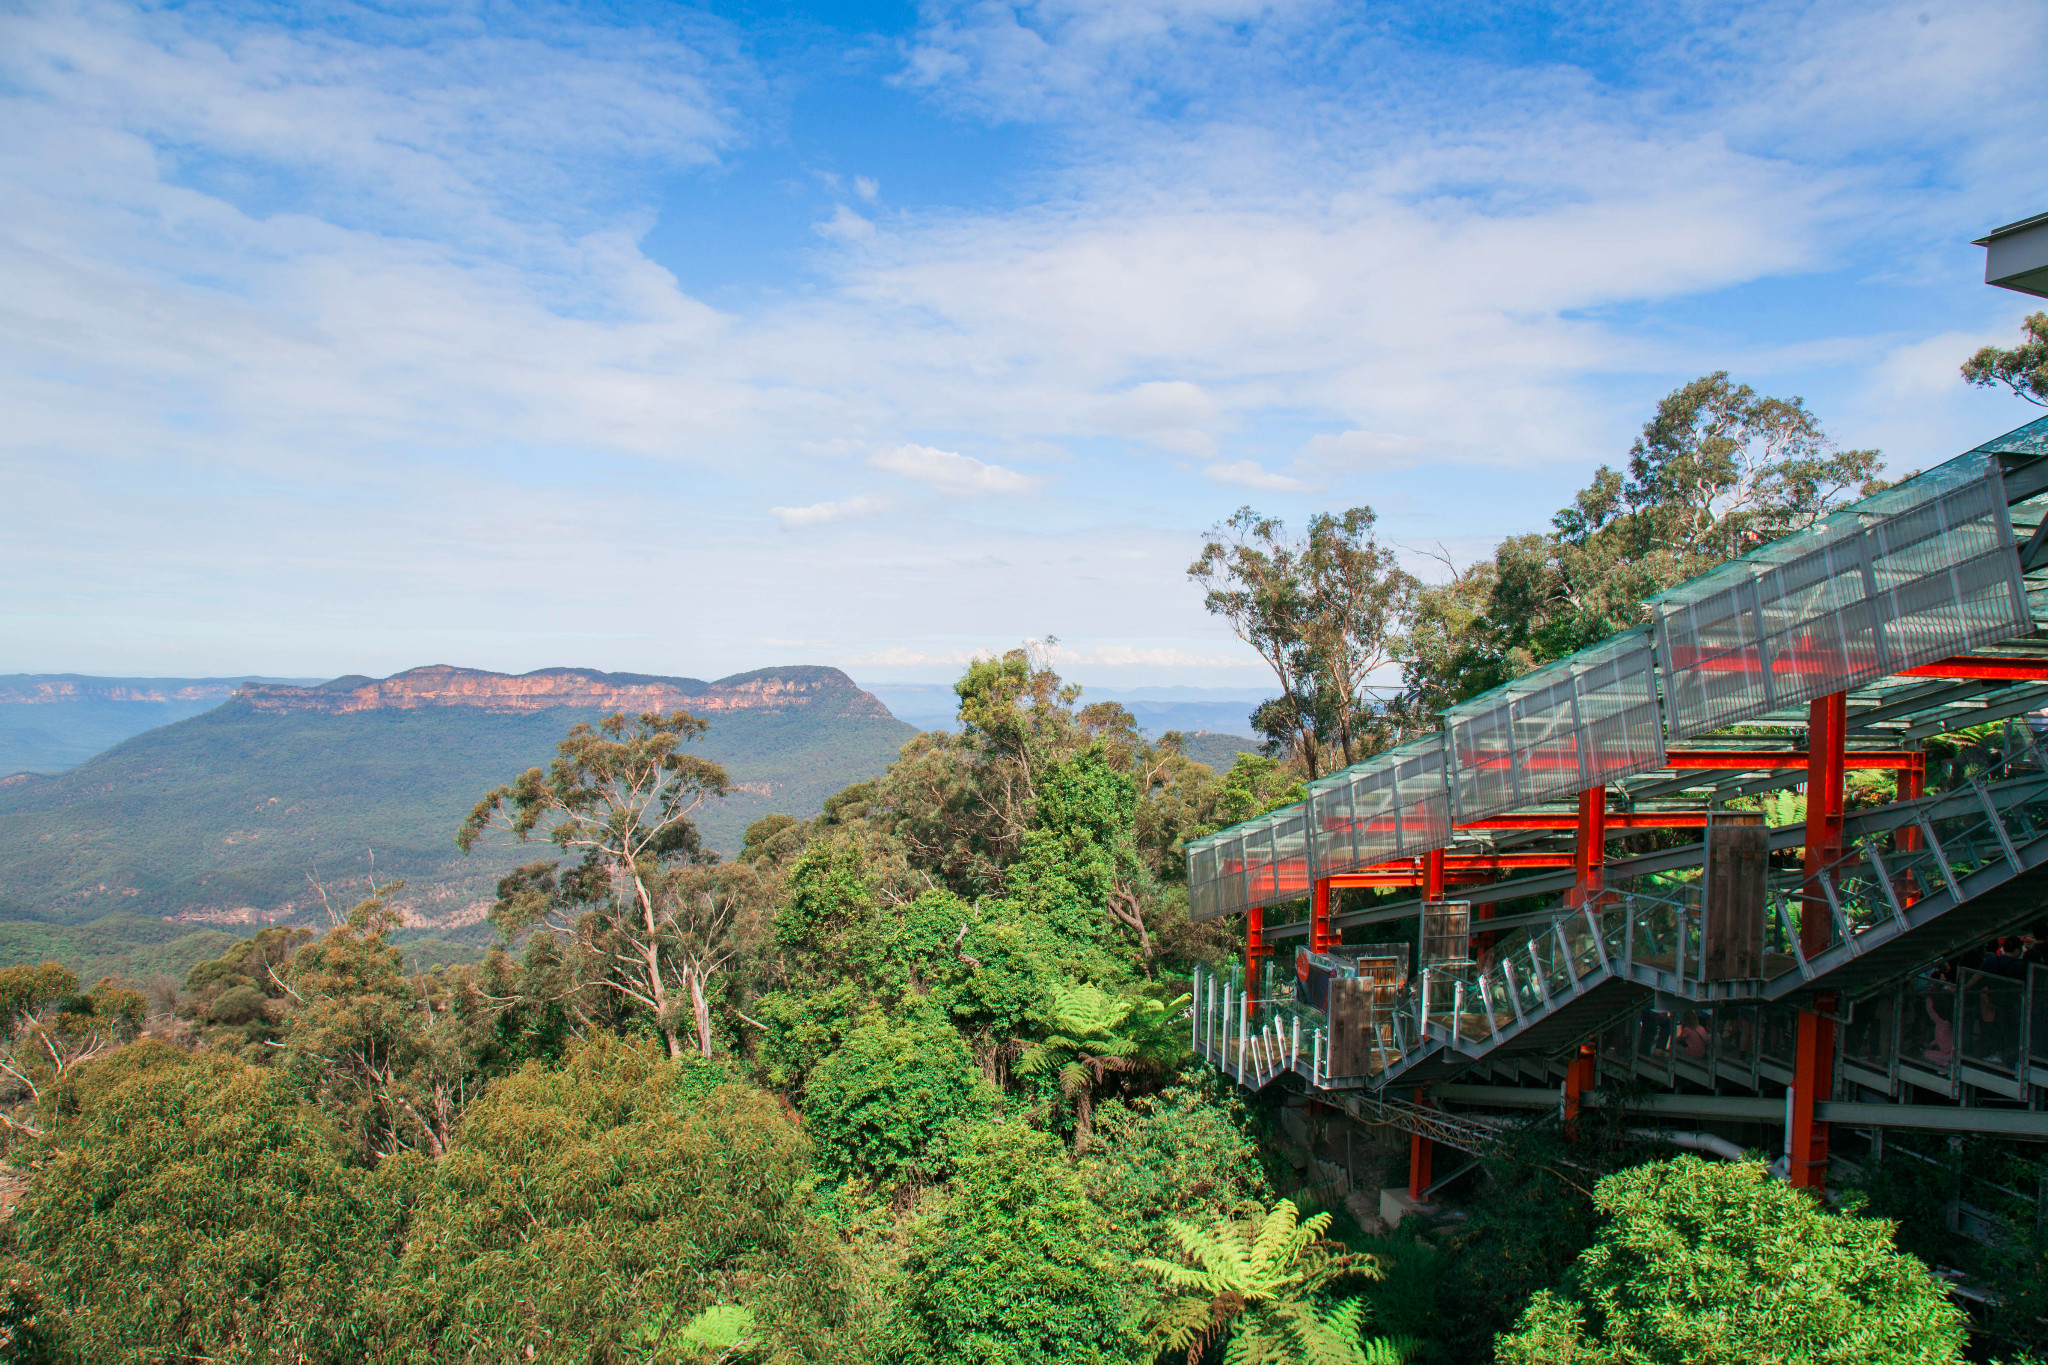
(1813, 1078)
(1813, 1065)
(1589, 850)
(1420, 1149)
(1912, 786)
(1827, 730)
(1319, 936)
(1578, 1079)
(1254, 954)
(1421, 1152)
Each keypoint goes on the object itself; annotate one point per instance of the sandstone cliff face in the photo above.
(769, 689)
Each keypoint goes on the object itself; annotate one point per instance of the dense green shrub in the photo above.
(195, 1208)
(1705, 1263)
(1174, 1155)
(1015, 1265)
(584, 1199)
(881, 1106)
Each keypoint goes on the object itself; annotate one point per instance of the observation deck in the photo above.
(1913, 613)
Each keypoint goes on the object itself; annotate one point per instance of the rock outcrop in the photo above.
(768, 689)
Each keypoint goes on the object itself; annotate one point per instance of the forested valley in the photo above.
(910, 1080)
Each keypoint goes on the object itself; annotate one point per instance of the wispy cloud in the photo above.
(821, 513)
(950, 472)
(1251, 474)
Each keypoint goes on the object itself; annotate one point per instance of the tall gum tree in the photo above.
(1718, 470)
(619, 796)
(1325, 612)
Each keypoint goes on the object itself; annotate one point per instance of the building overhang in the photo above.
(2016, 256)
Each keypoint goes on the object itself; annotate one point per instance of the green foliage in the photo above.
(1095, 1035)
(1079, 847)
(1262, 1281)
(1174, 1155)
(239, 999)
(118, 944)
(48, 1030)
(724, 1332)
(2022, 368)
(1014, 1265)
(1704, 1262)
(1918, 1183)
(582, 1198)
(1536, 1217)
(881, 1106)
(196, 1208)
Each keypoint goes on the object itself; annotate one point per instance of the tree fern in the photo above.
(1260, 1279)
(1096, 1034)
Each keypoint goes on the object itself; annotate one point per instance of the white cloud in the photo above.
(1171, 414)
(866, 187)
(820, 513)
(1250, 474)
(846, 226)
(948, 472)
(1364, 452)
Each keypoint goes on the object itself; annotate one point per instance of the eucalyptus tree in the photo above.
(2022, 368)
(1325, 611)
(618, 797)
(1717, 470)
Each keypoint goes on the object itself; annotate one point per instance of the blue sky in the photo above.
(692, 340)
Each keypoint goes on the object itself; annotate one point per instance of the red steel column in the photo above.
(1319, 936)
(1589, 852)
(1420, 1152)
(1813, 1078)
(1254, 950)
(1421, 1149)
(1578, 1079)
(1813, 1065)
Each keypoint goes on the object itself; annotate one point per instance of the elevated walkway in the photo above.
(1923, 880)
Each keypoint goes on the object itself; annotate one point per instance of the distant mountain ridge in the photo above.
(143, 857)
(53, 721)
(54, 689)
(764, 689)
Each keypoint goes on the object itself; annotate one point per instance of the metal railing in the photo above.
(1907, 863)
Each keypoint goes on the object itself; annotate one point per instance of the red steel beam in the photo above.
(1615, 820)
(1989, 670)
(1456, 866)
(1743, 760)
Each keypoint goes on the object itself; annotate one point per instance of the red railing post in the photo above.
(1433, 875)
(1319, 936)
(1813, 1066)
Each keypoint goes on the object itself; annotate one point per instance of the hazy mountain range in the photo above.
(222, 805)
